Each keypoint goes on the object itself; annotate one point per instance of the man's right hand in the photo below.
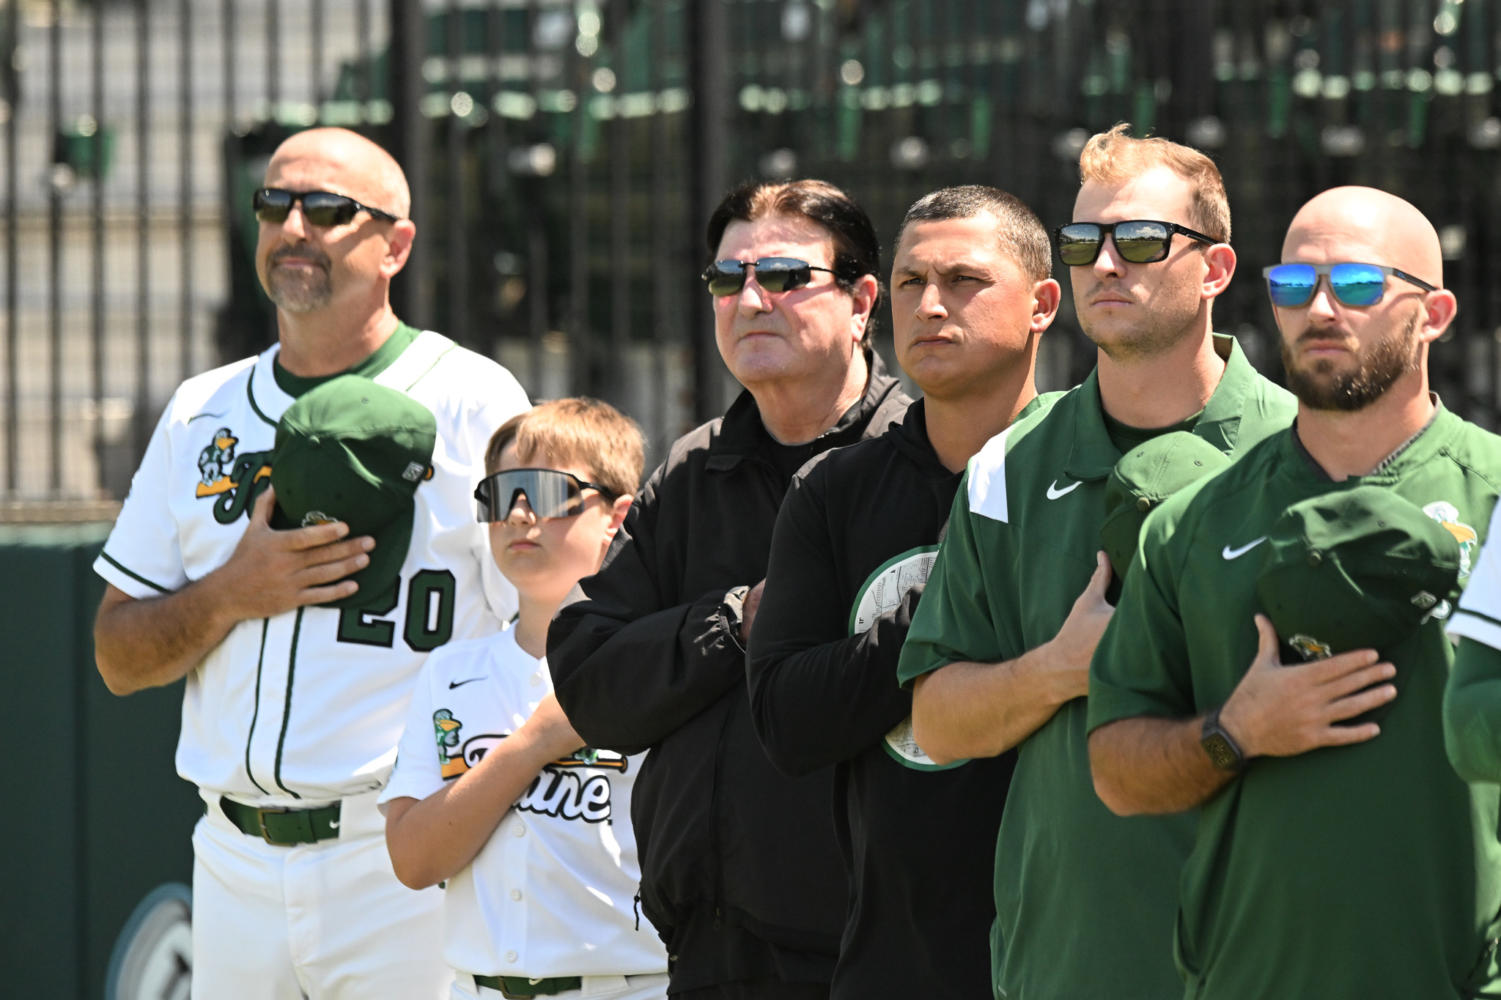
(273, 571)
(1069, 652)
(157, 640)
(968, 709)
(1279, 710)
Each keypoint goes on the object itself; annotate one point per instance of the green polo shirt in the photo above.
(1367, 871)
(1084, 899)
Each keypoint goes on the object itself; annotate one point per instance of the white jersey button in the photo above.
(510, 956)
(516, 895)
(521, 829)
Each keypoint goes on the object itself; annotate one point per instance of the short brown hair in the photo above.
(857, 249)
(1019, 231)
(1115, 156)
(579, 430)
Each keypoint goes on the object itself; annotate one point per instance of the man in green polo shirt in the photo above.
(999, 647)
(1336, 853)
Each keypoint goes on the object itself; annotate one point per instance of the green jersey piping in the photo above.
(260, 661)
(134, 576)
(250, 395)
(286, 710)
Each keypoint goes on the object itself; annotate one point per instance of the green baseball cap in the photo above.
(1144, 477)
(1354, 569)
(354, 451)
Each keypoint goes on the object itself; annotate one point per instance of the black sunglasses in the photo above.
(1350, 282)
(775, 274)
(1138, 241)
(549, 493)
(321, 208)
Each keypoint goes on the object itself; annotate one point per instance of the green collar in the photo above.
(1094, 454)
(378, 361)
(1435, 437)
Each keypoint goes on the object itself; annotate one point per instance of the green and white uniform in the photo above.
(1364, 871)
(1084, 899)
(304, 709)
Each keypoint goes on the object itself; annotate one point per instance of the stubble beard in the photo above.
(1138, 344)
(299, 290)
(1319, 387)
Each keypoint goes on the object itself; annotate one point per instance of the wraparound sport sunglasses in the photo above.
(1138, 241)
(775, 274)
(321, 208)
(1352, 284)
(549, 492)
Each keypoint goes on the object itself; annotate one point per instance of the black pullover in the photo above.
(740, 872)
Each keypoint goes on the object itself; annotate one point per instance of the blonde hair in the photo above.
(1115, 156)
(576, 430)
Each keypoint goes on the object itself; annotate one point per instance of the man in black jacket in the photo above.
(971, 293)
(740, 871)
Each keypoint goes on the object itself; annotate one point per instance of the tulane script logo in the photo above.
(234, 479)
(576, 787)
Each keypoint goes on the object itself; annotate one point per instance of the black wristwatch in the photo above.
(1221, 747)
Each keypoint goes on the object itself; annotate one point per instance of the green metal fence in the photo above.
(564, 154)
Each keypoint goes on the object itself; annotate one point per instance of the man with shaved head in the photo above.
(1279, 655)
(299, 638)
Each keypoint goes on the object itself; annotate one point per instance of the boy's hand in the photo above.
(551, 729)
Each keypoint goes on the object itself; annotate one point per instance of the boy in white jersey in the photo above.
(493, 793)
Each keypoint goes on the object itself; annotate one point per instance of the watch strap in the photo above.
(1221, 747)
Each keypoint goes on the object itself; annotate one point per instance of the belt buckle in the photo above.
(260, 819)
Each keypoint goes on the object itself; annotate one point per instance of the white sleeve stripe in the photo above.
(1473, 626)
(987, 479)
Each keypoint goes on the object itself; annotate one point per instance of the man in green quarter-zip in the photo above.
(999, 646)
(1279, 656)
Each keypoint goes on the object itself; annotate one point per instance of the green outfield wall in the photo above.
(96, 815)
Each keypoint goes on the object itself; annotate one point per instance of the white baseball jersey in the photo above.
(1479, 614)
(552, 892)
(306, 707)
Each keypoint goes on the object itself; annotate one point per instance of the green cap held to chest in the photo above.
(1144, 477)
(1354, 569)
(355, 451)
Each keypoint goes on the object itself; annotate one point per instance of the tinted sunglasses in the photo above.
(1352, 284)
(775, 274)
(321, 208)
(1137, 241)
(549, 492)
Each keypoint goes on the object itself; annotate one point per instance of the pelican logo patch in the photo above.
(1447, 514)
(446, 733)
(215, 462)
(233, 479)
(1310, 648)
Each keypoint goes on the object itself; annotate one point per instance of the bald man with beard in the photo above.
(1336, 855)
(298, 670)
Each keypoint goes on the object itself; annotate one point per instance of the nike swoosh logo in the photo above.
(454, 684)
(1054, 492)
(1230, 553)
